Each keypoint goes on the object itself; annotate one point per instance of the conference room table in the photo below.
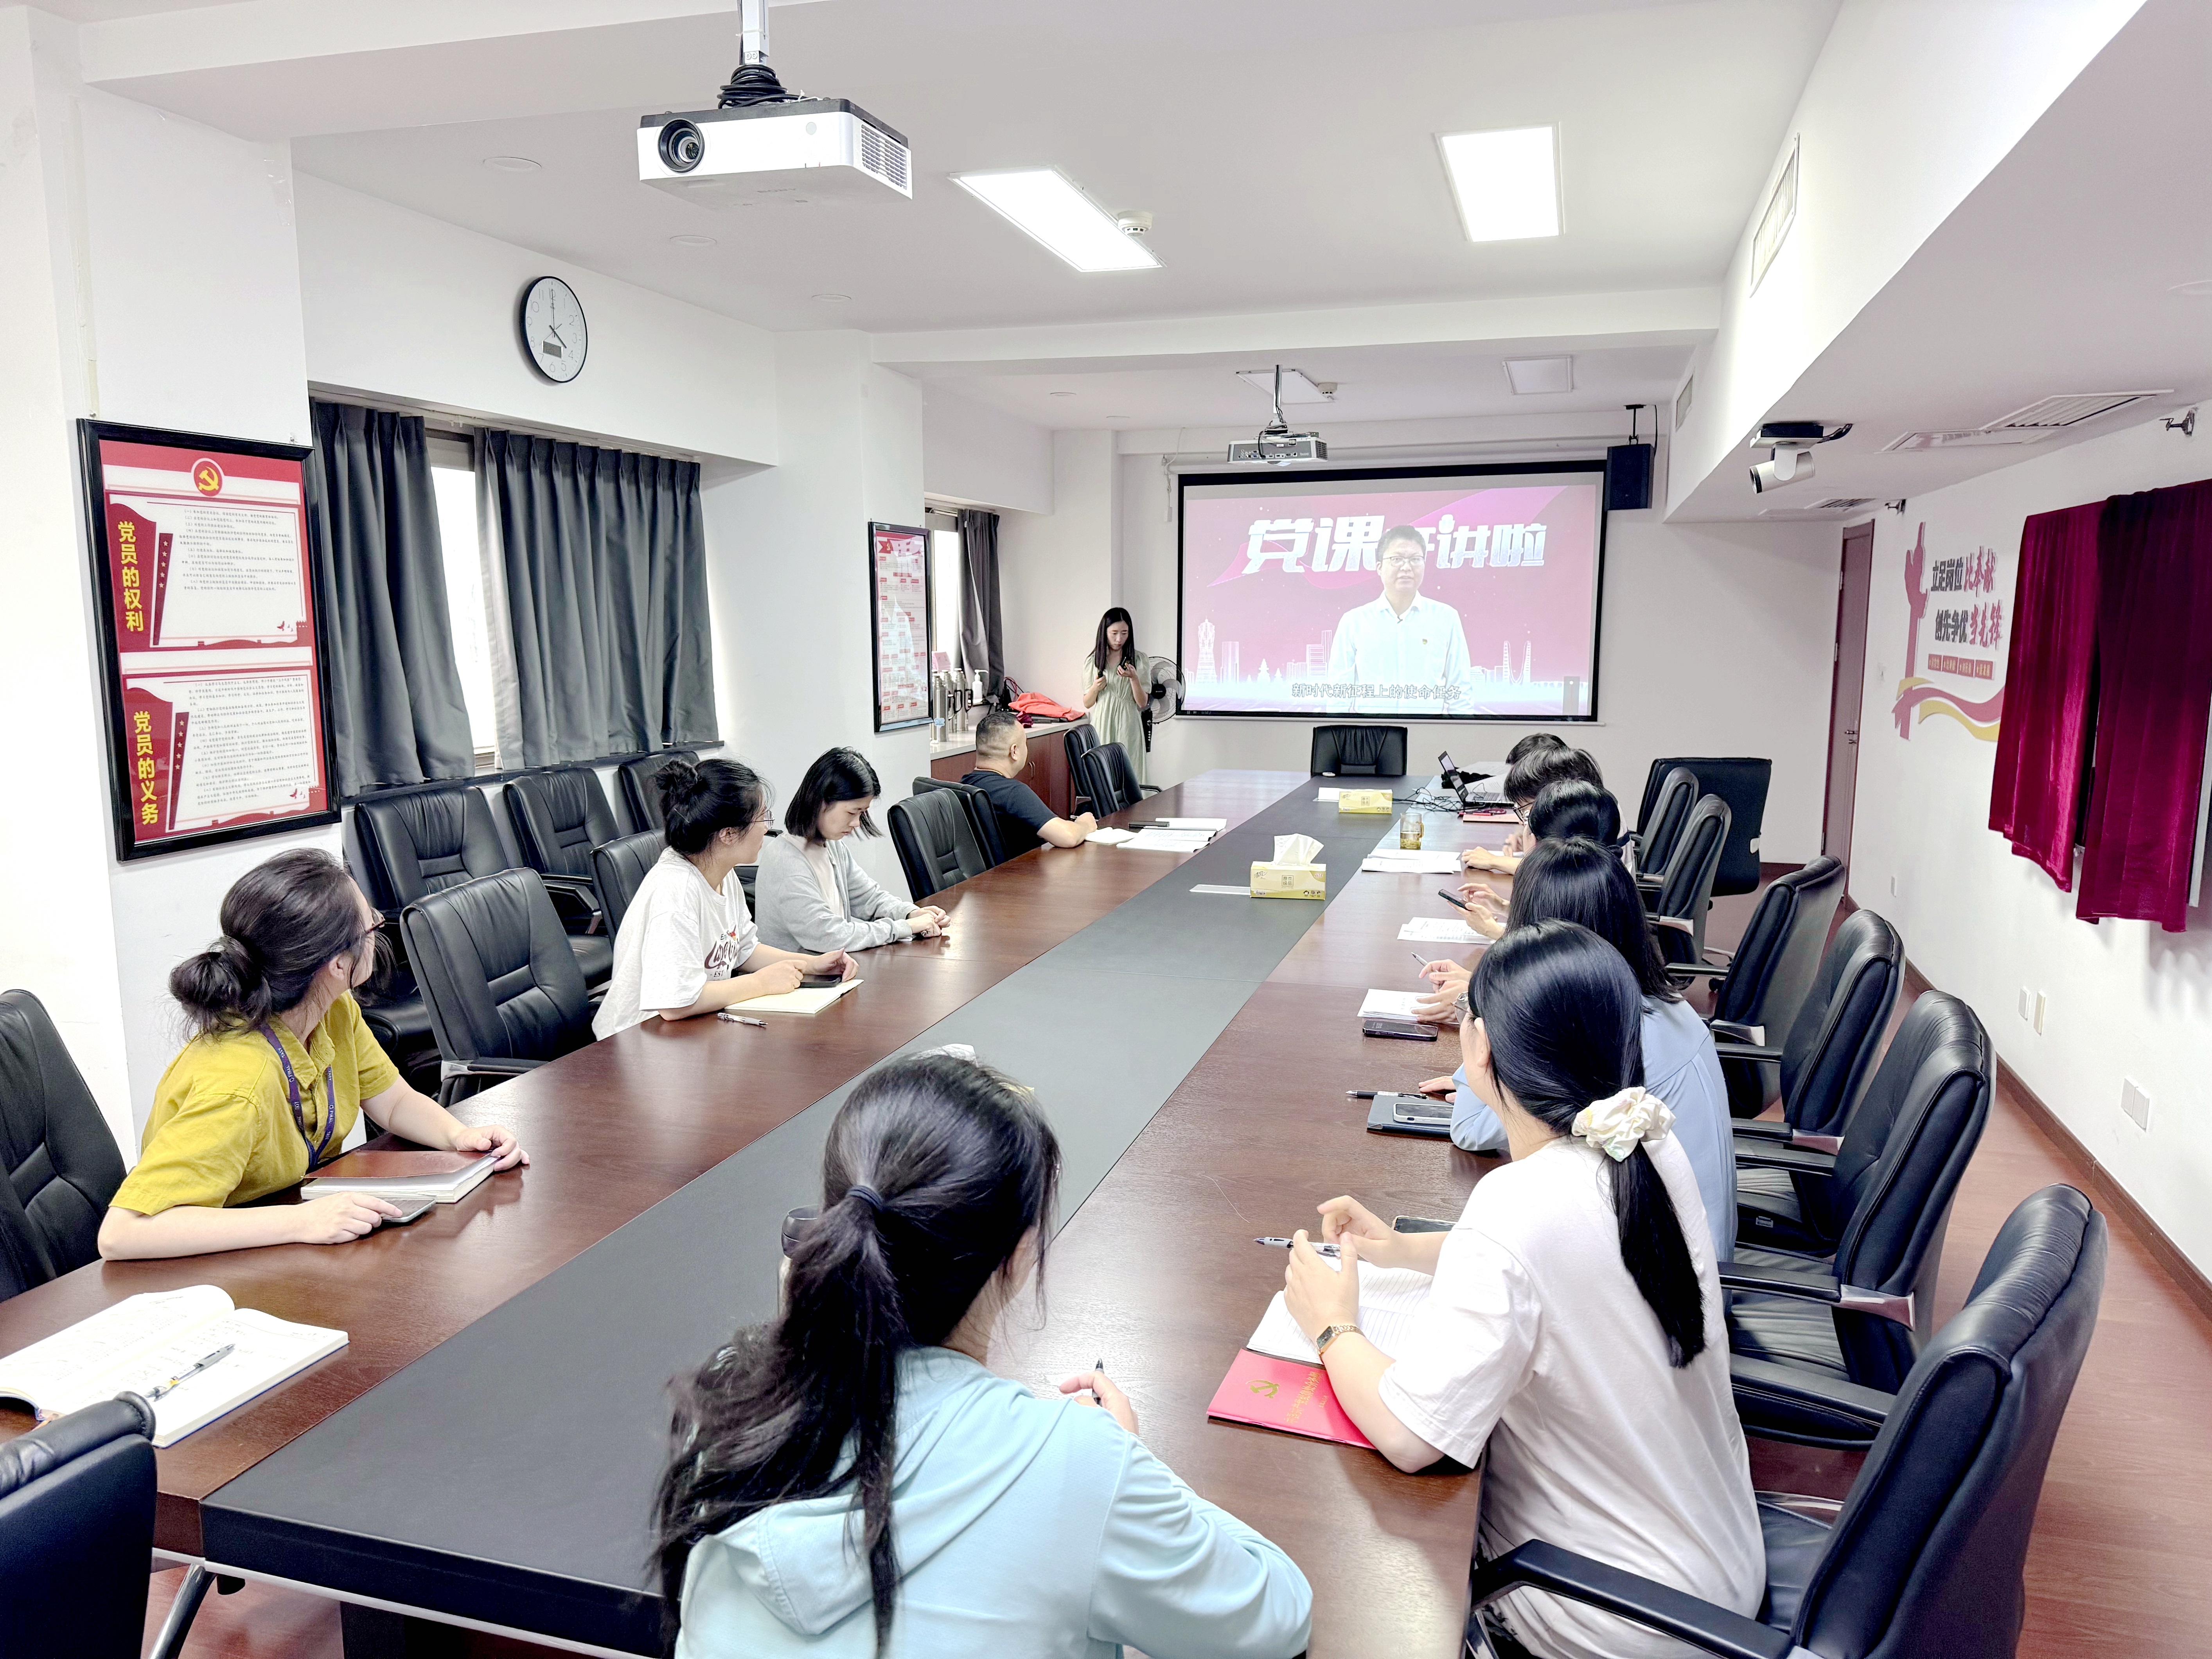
(483, 1451)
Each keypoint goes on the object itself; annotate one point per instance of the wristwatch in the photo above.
(1329, 1333)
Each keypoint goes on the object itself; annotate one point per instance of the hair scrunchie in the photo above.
(1620, 1123)
(868, 1195)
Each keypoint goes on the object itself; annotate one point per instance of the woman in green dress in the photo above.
(1116, 685)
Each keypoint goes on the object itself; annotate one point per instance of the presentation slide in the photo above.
(1419, 594)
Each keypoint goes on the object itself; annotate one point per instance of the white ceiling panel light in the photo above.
(1532, 375)
(1507, 182)
(1297, 387)
(1042, 202)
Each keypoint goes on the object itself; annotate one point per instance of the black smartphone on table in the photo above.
(1410, 1030)
(819, 981)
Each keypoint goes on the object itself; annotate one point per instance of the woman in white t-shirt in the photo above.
(687, 945)
(810, 893)
(1575, 1331)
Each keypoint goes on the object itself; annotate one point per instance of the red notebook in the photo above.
(1285, 1394)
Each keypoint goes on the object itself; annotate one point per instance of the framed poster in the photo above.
(898, 623)
(218, 722)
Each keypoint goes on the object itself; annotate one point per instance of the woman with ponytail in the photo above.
(688, 944)
(1575, 1330)
(279, 1070)
(852, 1480)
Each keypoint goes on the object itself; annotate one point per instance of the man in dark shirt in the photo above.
(1002, 749)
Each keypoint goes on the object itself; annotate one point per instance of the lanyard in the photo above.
(315, 1148)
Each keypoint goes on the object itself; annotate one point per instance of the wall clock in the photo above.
(554, 333)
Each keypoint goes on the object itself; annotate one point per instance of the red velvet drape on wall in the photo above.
(2154, 652)
(2036, 794)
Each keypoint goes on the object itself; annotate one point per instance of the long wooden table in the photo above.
(1155, 1268)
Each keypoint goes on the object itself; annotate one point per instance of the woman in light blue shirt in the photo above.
(1578, 880)
(852, 1480)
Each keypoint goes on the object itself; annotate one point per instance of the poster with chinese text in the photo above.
(898, 623)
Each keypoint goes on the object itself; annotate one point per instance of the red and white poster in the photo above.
(214, 680)
(898, 583)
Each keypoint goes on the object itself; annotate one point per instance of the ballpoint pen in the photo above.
(223, 1353)
(1285, 1244)
(742, 1019)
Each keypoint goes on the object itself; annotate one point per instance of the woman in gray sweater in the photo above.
(810, 886)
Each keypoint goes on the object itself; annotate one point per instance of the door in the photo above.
(1847, 693)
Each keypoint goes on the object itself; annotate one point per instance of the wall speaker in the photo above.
(1627, 478)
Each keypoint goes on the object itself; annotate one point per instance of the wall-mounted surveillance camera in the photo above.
(1788, 464)
(1788, 443)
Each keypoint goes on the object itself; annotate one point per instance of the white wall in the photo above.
(2124, 998)
(401, 306)
(983, 456)
(789, 572)
(1057, 570)
(1907, 109)
(1716, 640)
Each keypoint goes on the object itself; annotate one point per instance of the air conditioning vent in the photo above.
(2068, 408)
(1833, 506)
(1976, 440)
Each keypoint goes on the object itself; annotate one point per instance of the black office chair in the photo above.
(1358, 751)
(1831, 1044)
(1102, 774)
(1762, 983)
(641, 788)
(558, 816)
(618, 866)
(503, 989)
(1665, 811)
(983, 817)
(1078, 738)
(429, 839)
(1925, 1557)
(1741, 780)
(1681, 896)
(57, 1155)
(1839, 1278)
(936, 847)
(76, 1534)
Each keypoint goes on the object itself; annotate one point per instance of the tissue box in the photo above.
(1297, 881)
(1363, 800)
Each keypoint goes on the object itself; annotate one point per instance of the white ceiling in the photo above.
(1286, 148)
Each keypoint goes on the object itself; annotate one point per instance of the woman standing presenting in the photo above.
(1117, 686)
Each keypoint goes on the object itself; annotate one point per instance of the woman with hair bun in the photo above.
(1575, 1330)
(852, 1479)
(279, 1069)
(687, 945)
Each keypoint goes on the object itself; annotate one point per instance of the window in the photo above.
(453, 477)
(944, 587)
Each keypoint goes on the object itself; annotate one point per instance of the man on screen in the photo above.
(1401, 653)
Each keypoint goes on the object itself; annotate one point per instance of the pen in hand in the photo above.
(169, 1386)
(1285, 1244)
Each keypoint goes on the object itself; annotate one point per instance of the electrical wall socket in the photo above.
(2042, 1007)
(2027, 1003)
(2134, 1103)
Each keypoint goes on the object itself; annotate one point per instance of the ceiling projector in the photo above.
(762, 144)
(1276, 444)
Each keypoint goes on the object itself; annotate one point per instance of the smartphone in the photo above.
(412, 1208)
(1410, 1030)
(819, 981)
(1419, 1109)
(1451, 898)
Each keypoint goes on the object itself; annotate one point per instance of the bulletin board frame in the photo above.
(884, 591)
(258, 477)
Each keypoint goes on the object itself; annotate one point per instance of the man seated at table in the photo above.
(1002, 749)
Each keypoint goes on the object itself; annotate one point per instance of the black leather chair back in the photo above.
(1907, 1147)
(1833, 1042)
(1107, 787)
(558, 818)
(1775, 962)
(57, 1157)
(1927, 1556)
(640, 786)
(1665, 812)
(496, 972)
(936, 847)
(425, 842)
(983, 817)
(619, 866)
(1077, 738)
(1359, 751)
(1685, 889)
(76, 1529)
(1740, 780)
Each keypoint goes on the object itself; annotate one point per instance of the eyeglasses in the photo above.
(1406, 561)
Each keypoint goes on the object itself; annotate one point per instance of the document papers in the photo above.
(1107, 836)
(1153, 839)
(1390, 1299)
(1392, 860)
(798, 1002)
(1391, 1004)
(1326, 794)
(1437, 930)
(1225, 891)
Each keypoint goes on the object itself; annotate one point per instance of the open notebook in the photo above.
(798, 1002)
(1389, 1299)
(145, 1340)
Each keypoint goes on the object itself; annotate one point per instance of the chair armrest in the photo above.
(1655, 1607)
(1720, 958)
(1747, 1051)
(1696, 969)
(1680, 924)
(1773, 1155)
(1809, 1284)
(581, 885)
(1649, 880)
(1736, 1031)
(1806, 1385)
(489, 1066)
(1762, 1128)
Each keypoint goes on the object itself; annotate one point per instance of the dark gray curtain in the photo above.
(598, 568)
(397, 712)
(982, 634)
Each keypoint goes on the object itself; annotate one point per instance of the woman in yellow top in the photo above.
(279, 1070)
(1116, 685)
